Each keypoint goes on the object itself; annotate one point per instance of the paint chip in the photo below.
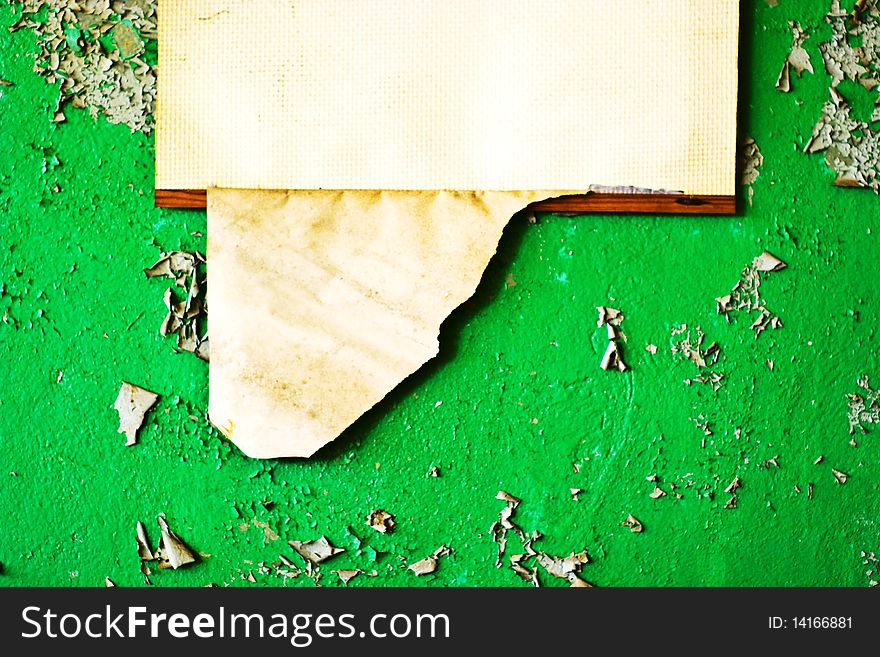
(347, 575)
(750, 161)
(144, 551)
(692, 348)
(574, 493)
(428, 565)
(172, 550)
(745, 295)
(132, 404)
(610, 316)
(797, 59)
(186, 317)
(567, 568)
(864, 408)
(91, 50)
(635, 525)
(526, 574)
(316, 551)
(657, 493)
(851, 146)
(381, 521)
(613, 357)
(841, 477)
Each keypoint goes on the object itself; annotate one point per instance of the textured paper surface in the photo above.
(459, 94)
(323, 302)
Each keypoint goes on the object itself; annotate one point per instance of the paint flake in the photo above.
(613, 357)
(567, 568)
(172, 550)
(745, 295)
(750, 161)
(851, 146)
(864, 408)
(132, 404)
(635, 525)
(111, 81)
(798, 59)
(316, 551)
(184, 317)
(347, 575)
(381, 521)
(428, 565)
(527, 575)
(145, 552)
(841, 477)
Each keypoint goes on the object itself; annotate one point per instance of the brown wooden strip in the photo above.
(180, 198)
(580, 204)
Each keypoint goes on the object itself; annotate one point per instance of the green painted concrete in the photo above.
(522, 395)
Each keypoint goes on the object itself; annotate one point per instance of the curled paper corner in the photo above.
(322, 302)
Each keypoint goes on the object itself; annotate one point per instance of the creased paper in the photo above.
(322, 302)
(452, 94)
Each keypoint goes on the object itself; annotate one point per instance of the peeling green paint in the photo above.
(523, 397)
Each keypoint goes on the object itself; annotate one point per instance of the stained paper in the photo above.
(323, 302)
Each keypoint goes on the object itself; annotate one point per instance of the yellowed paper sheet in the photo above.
(323, 302)
(458, 94)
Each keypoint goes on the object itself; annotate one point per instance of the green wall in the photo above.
(522, 395)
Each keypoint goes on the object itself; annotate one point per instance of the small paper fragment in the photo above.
(132, 404)
(315, 551)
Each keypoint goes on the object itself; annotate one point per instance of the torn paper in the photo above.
(460, 94)
(323, 302)
(132, 404)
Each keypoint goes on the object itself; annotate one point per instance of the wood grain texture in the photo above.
(593, 202)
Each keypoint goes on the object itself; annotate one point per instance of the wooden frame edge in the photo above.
(593, 202)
